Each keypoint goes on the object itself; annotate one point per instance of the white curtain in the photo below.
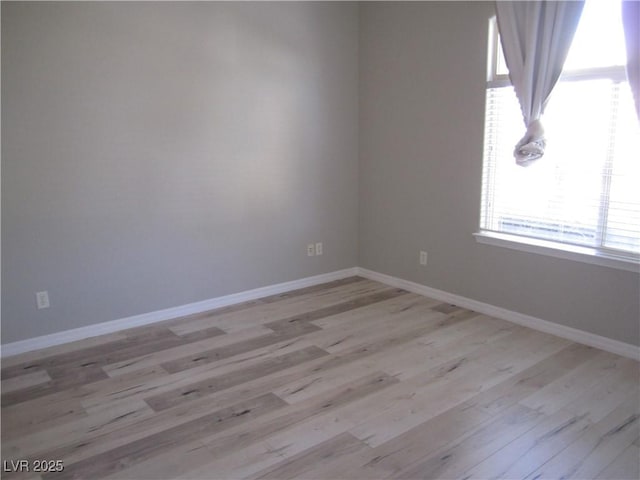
(631, 23)
(535, 36)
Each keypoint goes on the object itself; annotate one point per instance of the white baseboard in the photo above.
(81, 333)
(573, 334)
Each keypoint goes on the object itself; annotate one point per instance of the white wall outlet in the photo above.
(42, 300)
(311, 250)
(319, 248)
(423, 257)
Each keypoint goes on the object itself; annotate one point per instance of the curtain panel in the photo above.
(631, 24)
(535, 36)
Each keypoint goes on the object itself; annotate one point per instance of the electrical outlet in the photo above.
(42, 300)
(319, 248)
(423, 258)
(311, 250)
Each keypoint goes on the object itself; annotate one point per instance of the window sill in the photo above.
(630, 263)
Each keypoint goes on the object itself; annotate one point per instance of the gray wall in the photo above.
(156, 154)
(422, 74)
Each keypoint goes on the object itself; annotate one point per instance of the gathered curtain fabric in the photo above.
(631, 25)
(535, 36)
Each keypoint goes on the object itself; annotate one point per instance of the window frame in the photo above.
(602, 256)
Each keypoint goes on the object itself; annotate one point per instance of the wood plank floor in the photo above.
(349, 379)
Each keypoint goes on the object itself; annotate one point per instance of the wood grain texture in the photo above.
(349, 379)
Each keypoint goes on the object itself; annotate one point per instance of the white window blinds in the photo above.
(585, 191)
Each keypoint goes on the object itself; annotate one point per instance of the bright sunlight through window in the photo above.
(585, 190)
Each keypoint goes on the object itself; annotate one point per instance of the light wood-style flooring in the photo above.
(349, 379)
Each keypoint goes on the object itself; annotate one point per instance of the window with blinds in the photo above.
(585, 191)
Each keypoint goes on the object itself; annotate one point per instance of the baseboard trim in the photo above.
(81, 333)
(573, 334)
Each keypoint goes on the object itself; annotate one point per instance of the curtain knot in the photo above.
(531, 147)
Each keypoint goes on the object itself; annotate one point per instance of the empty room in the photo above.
(323, 240)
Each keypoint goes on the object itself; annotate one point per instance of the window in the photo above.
(583, 195)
